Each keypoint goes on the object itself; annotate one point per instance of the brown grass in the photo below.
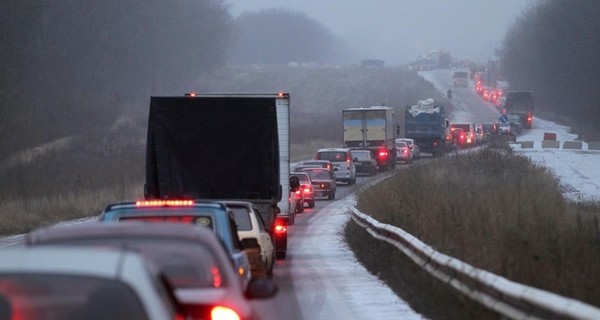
(500, 212)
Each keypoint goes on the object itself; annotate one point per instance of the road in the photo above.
(321, 279)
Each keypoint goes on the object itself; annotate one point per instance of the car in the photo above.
(306, 187)
(343, 163)
(192, 258)
(469, 129)
(323, 182)
(489, 128)
(403, 152)
(319, 163)
(69, 283)
(296, 198)
(460, 139)
(414, 148)
(364, 161)
(251, 227)
(211, 214)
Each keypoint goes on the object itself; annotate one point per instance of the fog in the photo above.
(397, 31)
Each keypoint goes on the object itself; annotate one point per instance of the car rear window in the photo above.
(319, 174)
(333, 156)
(302, 178)
(241, 215)
(361, 155)
(186, 264)
(55, 296)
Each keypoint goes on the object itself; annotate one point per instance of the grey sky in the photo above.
(398, 30)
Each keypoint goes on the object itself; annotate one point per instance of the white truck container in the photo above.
(372, 128)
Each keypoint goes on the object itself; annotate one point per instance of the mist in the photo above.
(398, 31)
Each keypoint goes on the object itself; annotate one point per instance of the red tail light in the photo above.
(280, 229)
(382, 153)
(223, 313)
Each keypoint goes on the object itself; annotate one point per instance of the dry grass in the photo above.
(497, 211)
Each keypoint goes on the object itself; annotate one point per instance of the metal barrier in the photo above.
(511, 299)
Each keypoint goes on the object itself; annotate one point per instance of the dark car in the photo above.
(192, 258)
(323, 182)
(490, 128)
(364, 161)
(213, 215)
(460, 138)
(306, 188)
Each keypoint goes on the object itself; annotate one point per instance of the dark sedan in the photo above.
(323, 182)
(365, 162)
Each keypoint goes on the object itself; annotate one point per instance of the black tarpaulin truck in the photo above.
(223, 147)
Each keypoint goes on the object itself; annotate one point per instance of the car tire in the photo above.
(300, 208)
(280, 254)
(311, 204)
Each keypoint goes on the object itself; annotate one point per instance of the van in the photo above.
(469, 129)
(343, 164)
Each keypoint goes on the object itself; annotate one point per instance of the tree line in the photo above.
(79, 64)
(552, 49)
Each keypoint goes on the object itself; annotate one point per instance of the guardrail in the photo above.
(511, 299)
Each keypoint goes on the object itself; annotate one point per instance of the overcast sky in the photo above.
(398, 30)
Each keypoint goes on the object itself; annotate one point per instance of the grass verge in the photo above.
(494, 210)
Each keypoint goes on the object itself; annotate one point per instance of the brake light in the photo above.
(298, 191)
(190, 94)
(280, 227)
(223, 313)
(162, 203)
(216, 274)
(382, 154)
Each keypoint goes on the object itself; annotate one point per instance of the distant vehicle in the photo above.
(192, 258)
(296, 196)
(306, 187)
(323, 182)
(403, 152)
(372, 128)
(490, 128)
(470, 134)
(520, 103)
(364, 161)
(508, 131)
(414, 148)
(460, 139)
(427, 125)
(251, 227)
(342, 161)
(460, 79)
(107, 284)
(213, 215)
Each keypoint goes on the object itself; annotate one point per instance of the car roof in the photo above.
(333, 149)
(178, 231)
(55, 259)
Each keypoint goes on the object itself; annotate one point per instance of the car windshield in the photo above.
(55, 296)
(401, 144)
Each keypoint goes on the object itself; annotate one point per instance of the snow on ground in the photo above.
(577, 170)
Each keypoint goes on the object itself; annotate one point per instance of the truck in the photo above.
(520, 102)
(428, 126)
(371, 128)
(223, 147)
